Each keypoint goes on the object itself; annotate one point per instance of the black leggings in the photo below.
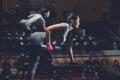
(35, 50)
(38, 55)
(34, 57)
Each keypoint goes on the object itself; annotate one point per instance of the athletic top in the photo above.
(64, 27)
(36, 20)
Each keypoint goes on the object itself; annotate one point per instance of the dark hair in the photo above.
(71, 16)
(43, 11)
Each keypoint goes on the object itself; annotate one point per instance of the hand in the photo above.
(49, 47)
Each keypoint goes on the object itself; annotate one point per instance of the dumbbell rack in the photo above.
(72, 70)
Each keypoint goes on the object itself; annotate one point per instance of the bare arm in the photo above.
(70, 51)
(31, 15)
(48, 31)
(69, 45)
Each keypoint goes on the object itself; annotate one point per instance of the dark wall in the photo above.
(0, 5)
(0, 9)
(90, 10)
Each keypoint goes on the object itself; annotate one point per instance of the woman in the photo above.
(36, 38)
(35, 20)
(73, 22)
